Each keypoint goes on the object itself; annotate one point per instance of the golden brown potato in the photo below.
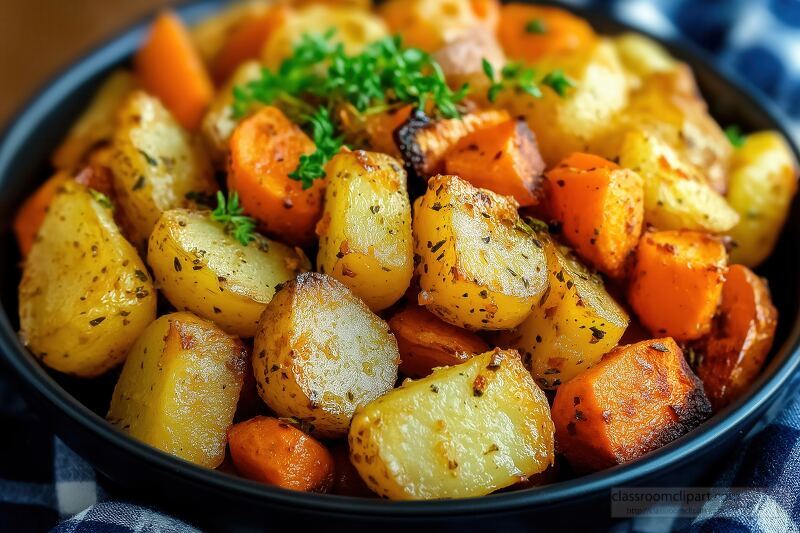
(365, 233)
(465, 430)
(480, 267)
(320, 353)
(642, 56)
(211, 34)
(431, 24)
(462, 61)
(155, 165)
(96, 125)
(179, 388)
(574, 323)
(85, 296)
(763, 182)
(201, 268)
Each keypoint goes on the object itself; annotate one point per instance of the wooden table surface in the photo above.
(40, 37)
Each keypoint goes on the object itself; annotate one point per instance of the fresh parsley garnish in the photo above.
(558, 81)
(231, 215)
(735, 135)
(535, 26)
(328, 144)
(517, 77)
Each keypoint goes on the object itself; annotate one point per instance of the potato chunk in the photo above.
(574, 323)
(320, 353)
(179, 388)
(155, 164)
(85, 296)
(480, 267)
(463, 431)
(202, 269)
(365, 233)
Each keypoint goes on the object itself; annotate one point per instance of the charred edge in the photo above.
(405, 138)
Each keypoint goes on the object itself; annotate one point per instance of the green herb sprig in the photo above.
(535, 26)
(517, 77)
(735, 136)
(231, 215)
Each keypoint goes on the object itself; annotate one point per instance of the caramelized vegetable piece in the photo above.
(677, 282)
(503, 158)
(168, 66)
(265, 148)
(365, 232)
(347, 481)
(734, 352)
(529, 32)
(463, 431)
(31, 213)
(600, 207)
(425, 342)
(272, 451)
(179, 388)
(431, 24)
(480, 266)
(380, 128)
(571, 326)
(639, 398)
(424, 144)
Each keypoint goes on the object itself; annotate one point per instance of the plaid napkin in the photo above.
(43, 484)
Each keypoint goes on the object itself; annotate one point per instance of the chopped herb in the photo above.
(657, 346)
(230, 214)
(150, 159)
(735, 135)
(96, 321)
(139, 183)
(558, 81)
(312, 166)
(535, 26)
(101, 199)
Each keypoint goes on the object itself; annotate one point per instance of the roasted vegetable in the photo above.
(272, 451)
(210, 34)
(503, 158)
(763, 182)
(85, 296)
(480, 267)
(425, 342)
(677, 281)
(571, 326)
(365, 233)
(463, 431)
(462, 59)
(600, 207)
(155, 165)
(431, 24)
(642, 56)
(203, 269)
(179, 388)
(732, 354)
(320, 353)
(639, 398)
(265, 148)
(32, 212)
(530, 32)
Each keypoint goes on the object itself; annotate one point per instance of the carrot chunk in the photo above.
(264, 149)
(168, 66)
(677, 282)
(600, 207)
(503, 158)
(31, 214)
(529, 32)
(637, 399)
(271, 451)
(425, 342)
(732, 355)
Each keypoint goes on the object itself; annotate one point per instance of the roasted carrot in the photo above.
(264, 149)
(31, 214)
(168, 66)
(272, 451)
(503, 158)
(425, 342)
(246, 40)
(677, 282)
(487, 11)
(732, 355)
(529, 32)
(380, 129)
(347, 481)
(637, 399)
(600, 207)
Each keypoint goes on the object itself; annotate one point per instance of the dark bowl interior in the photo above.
(75, 408)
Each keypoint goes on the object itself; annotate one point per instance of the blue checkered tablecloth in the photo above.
(43, 484)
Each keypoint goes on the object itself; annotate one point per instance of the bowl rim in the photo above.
(785, 360)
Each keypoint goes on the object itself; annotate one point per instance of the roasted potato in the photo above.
(763, 182)
(179, 388)
(320, 353)
(155, 165)
(642, 56)
(431, 24)
(465, 430)
(462, 61)
(480, 267)
(201, 268)
(582, 117)
(85, 296)
(210, 34)
(573, 324)
(676, 193)
(365, 236)
(96, 124)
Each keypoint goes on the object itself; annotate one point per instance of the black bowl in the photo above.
(75, 408)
